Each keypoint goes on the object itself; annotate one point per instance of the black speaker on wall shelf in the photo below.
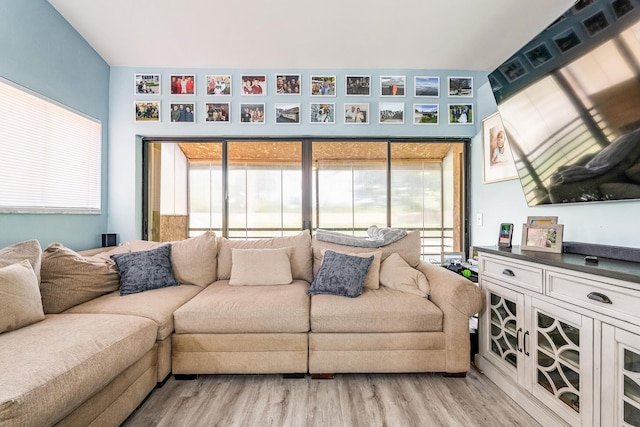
(109, 239)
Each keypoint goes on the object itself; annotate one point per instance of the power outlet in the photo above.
(479, 219)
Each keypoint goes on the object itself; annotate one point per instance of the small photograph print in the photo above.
(567, 40)
(218, 85)
(425, 114)
(358, 86)
(287, 114)
(252, 113)
(596, 23)
(183, 84)
(323, 113)
(391, 113)
(323, 85)
(461, 87)
(538, 55)
(254, 85)
(392, 85)
(147, 111)
(427, 86)
(217, 112)
(621, 7)
(183, 112)
(356, 114)
(461, 114)
(147, 84)
(495, 84)
(288, 84)
(582, 4)
(513, 69)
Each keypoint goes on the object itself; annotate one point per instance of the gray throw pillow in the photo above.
(341, 274)
(145, 270)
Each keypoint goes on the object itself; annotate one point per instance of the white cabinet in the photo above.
(562, 342)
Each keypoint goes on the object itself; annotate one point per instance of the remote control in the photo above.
(589, 259)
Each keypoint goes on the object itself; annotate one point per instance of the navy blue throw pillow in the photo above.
(145, 270)
(341, 274)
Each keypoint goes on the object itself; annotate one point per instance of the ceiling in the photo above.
(293, 34)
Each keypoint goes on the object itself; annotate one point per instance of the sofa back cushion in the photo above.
(194, 260)
(19, 297)
(257, 267)
(69, 279)
(301, 260)
(409, 248)
(29, 250)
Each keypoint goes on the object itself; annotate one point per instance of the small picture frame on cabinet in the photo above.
(542, 238)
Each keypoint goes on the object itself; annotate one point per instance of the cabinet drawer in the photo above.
(519, 274)
(612, 300)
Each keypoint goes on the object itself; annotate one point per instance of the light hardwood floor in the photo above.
(429, 400)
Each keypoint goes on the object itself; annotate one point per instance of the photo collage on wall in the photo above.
(182, 106)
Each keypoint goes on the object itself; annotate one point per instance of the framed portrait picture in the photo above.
(218, 84)
(147, 84)
(391, 113)
(356, 114)
(542, 238)
(497, 157)
(288, 84)
(182, 112)
(621, 7)
(252, 113)
(538, 55)
(218, 112)
(595, 23)
(254, 84)
(287, 114)
(322, 113)
(393, 85)
(323, 86)
(461, 87)
(425, 114)
(358, 85)
(512, 69)
(183, 84)
(147, 111)
(542, 220)
(427, 86)
(460, 114)
(449, 258)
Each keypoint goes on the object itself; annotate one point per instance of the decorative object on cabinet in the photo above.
(506, 234)
(498, 159)
(542, 237)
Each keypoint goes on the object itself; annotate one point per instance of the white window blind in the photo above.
(50, 156)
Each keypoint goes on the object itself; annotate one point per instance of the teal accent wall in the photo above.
(42, 52)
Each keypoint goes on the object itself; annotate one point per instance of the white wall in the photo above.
(610, 223)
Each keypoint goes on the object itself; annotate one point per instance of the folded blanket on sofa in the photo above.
(377, 237)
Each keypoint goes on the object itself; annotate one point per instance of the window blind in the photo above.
(50, 156)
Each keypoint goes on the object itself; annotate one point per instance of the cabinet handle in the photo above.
(518, 332)
(597, 296)
(524, 343)
(508, 272)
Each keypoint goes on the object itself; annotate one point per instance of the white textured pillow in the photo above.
(19, 297)
(396, 273)
(372, 281)
(260, 267)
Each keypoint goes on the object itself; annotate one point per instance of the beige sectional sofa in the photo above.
(94, 355)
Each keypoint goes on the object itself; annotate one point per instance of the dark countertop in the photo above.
(612, 268)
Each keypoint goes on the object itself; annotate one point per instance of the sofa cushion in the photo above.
(194, 260)
(19, 297)
(409, 248)
(157, 305)
(145, 270)
(260, 267)
(372, 280)
(246, 309)
(69, 278)
(341, 274)
(54, 365)
(301, 260)
(29, 250)
(395, 273)
(376, 310)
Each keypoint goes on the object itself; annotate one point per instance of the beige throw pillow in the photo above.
(372, 281)
(19, 297)
(29, 250)
(260, 267)
(396, 273)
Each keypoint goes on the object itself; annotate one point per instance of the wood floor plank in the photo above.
(352, 400)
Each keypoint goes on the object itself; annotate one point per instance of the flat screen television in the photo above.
(569, 101)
